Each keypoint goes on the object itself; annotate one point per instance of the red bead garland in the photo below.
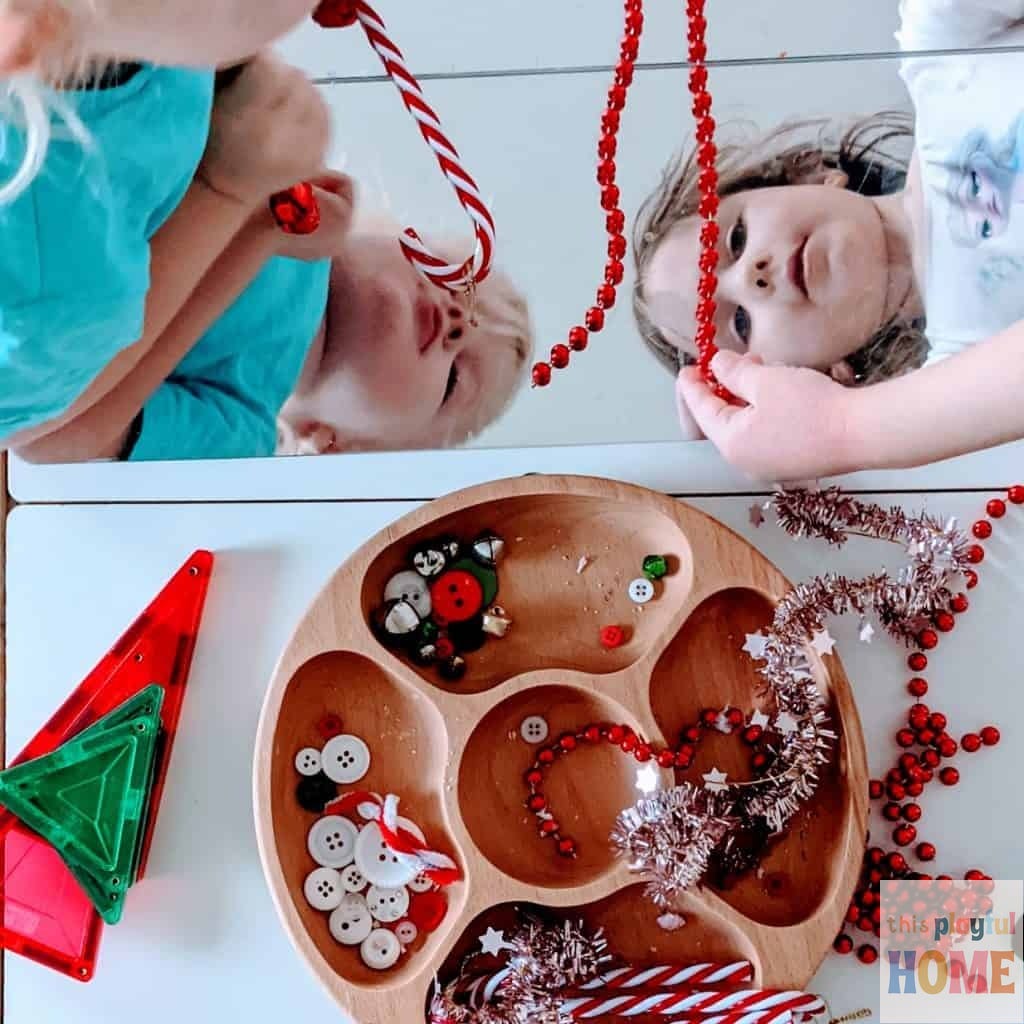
(927, 730)
(615, 221)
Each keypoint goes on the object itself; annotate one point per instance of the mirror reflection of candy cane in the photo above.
(453, 276)
(779, 1016)
(739, 972)
(692, 1003)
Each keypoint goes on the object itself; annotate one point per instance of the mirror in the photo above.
(392, 364)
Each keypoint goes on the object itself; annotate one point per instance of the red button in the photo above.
(457, 596)
(427, 910)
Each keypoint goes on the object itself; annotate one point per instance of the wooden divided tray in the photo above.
(454, 755)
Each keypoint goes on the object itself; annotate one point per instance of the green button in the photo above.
(655, 566)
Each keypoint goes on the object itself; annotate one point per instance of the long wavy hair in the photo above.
(873, 152)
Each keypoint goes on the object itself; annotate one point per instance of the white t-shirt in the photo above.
(968, 212)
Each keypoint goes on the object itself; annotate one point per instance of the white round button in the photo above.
(421, 884)
(387, 905)
(534, 729)
(381, 950)
(641, 590)
(323, 889)
(352, 879)
(379, 863)
(351, 923)
(307, 761)
(412, 587)
(406, 932)
(346, 759)
(332, 841)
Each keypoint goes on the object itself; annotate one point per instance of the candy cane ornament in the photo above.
(436, 866)
(629, 978)
(692, 1002)
(451, 276)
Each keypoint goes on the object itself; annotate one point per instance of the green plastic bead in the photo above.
(428, 631)
(655, 566)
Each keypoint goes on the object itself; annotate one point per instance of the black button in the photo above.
(315, 792)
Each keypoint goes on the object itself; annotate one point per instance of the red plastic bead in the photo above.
(897, 862)
(709, 235)
(617, 247)
(947, 746)
(996, 508)
(537, 802)
(541, 375)
(610, 121)
(610, 196)
(606, 174)
(925, 851)
(945, 622)
(990, 736)
(867, 954)
(982, 529)
(1016, 494)
(534, 777)
(615, 222)
(567, 847)
(905, 738)
(629, 742)
(330, 726)
(865, 924)
(616, 734)
(928, 639)
(970, 742)
(891, 812)
(917, 687)
(759, 761)
(560, 357)
(698, 79)
(875, 789)
(908, 761)
(904, 835)
(616, 100)
(930, 759)
(708, 205)
(612, 637)
(608, 147)
(975, 554)
(549, 827)
(578, 338)
(708, 262)
(843, 944)
(684, 757)
(546, 756)
(691, 734)
(666, 759)
(630, 48)
(634, 23)
(912, 812)
(568, 742)
(594, 319)
(896, 791)
(614, 271)
(917, 662)
(972, 579)
(949, 776)
(752, 734)
(734, 716)
(606, 296)
(336, 13)
(974, 875)
(698, 52)
(624, 73)
(960, 604)
(915, 789)
(701, 104)
(937, 720)
(592, 733)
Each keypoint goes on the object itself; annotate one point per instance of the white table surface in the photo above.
(200, 940)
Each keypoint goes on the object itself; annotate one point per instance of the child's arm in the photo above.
(269, 130)
(800, 424)
(101, 431)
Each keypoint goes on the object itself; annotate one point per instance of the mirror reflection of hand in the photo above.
(335, 195)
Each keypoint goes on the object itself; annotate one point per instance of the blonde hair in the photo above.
(868, 151)
(30, 104)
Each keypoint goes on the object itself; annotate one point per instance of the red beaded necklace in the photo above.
(615, 220)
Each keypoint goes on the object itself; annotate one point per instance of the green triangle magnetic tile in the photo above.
(486, 577)
(89, 797)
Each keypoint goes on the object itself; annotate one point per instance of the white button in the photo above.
(323, 889)
(381, 950)
(406, 933)
(534, 729)
(307, 761)
(379, 863)
(332, 841)
(346, 759)
(351, 922)
(421, 884)
(641, 590)
(352, 879)
(387, 905)
(412, 587)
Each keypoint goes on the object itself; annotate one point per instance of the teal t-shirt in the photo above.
(74, 263)
(223, 399)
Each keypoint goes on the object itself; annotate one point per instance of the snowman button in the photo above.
(421, 884)
(406, 932)
(380, 865)
(380, 950)
(323, 889)
(346, 759)
(641, 590)
(412, 587)
(429, 560)
(332, 841)
(307, 761)
(351, 923)
(387, 905)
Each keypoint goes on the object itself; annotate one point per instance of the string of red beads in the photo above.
(615, 218)
(926, 730)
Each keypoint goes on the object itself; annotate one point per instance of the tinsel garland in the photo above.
(672, 836)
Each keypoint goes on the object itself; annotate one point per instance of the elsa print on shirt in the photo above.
(986, 182)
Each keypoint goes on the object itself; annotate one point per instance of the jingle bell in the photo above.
(488, 549)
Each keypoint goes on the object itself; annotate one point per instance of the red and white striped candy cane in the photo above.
(453, 276)
(672, 976)
(691, 1003)
(438, 867)
(779, 1016)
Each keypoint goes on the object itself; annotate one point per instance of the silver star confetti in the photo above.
(822, 642)
(492, 942)
(786, 723)
(715, 781)
(756, 645)
(722, 723)
(867, 632)
(648, 780)
(759, 718)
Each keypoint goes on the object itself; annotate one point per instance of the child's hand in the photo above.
(335, 196)
(269, 130)
(793, 427)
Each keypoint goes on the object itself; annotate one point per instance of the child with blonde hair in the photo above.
(826, 266)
